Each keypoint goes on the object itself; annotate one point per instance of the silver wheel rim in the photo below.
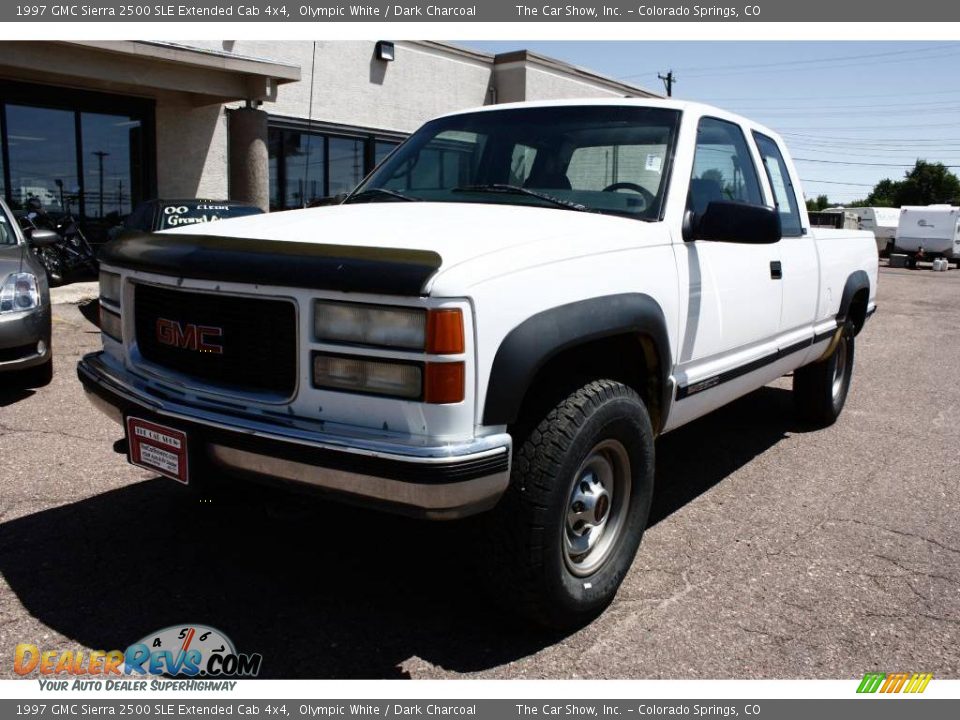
(597, 507)
(839, 368)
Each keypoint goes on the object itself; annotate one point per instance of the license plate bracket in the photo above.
(158, 448)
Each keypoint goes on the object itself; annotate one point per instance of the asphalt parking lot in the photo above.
(773, 552)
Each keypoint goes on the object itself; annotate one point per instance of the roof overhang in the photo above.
(147, 69)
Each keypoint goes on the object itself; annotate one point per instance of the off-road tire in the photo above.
(525, 561)
(821, 388)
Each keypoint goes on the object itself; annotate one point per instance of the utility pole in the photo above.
(100, 156)
(668, 81)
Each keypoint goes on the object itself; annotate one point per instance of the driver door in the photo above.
(735, 291)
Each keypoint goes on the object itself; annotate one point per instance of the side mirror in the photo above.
(41, 237)
(736, 222)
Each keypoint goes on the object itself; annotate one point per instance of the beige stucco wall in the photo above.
(191, 150)
(544, 84)
(351, 87)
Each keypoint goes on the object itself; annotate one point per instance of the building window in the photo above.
(79, 153)
(314, 166)
(42, 148)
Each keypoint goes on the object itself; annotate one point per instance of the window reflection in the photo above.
(346, 165)
(304, 154)
(314, 167)
(43, 157)
(111, 161)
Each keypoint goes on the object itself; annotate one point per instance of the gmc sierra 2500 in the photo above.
(499, 320)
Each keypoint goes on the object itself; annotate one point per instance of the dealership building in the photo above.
(92, 128)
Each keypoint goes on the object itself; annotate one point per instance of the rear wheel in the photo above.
(562, 539)
(820, 389)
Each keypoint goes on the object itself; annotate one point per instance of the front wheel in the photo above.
(820, 389)
(560, 542)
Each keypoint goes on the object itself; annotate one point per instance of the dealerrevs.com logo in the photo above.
(899, 682)
(179, 651)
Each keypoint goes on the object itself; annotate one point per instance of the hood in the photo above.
(387, 247)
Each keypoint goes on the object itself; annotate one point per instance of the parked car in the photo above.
(26, 358)
(498, 322)
(157, 214)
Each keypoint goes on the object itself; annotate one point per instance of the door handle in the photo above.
(776, 270)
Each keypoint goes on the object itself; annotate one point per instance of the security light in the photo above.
(385, 51)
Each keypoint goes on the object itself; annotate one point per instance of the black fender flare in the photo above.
(534, 342)
(857, 281)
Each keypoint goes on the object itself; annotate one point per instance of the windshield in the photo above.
(607, 159)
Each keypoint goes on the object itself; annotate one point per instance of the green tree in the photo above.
(925, 184)
(819, 204)
(928, 183)
(884, 194)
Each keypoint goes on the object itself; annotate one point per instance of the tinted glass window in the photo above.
(304, 157)
(346, 164)
(381, 149)
(722, 166)
(606, 159)
(111, 145)
(3, 175)
(783, 192)
(43, 158)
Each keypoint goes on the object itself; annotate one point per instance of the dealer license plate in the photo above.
(159, 448)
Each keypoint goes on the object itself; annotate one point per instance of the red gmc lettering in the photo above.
(189, 336)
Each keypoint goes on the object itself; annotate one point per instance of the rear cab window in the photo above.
(784, 194)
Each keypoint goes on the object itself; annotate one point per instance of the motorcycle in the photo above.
(69, 257)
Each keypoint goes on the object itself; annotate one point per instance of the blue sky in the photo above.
(852, 113)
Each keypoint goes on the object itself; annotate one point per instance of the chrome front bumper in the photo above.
(410, 475)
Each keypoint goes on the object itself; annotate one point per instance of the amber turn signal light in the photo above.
(444, 382)
(445, 331)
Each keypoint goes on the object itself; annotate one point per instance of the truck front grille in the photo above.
(235, 342)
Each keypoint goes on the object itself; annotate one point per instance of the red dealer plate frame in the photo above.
(158, 448)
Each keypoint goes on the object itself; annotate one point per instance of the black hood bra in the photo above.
(347, 268)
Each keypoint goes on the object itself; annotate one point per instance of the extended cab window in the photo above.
(783, 193)
(604, 158)
(722, 166)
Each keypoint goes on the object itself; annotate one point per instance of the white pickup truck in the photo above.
(500, 320)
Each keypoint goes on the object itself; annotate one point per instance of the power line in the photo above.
(837, 182)
(790, 63)
(912, 126)
(817, 98)
(872, 164)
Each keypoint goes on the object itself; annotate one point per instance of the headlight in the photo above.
(438, 331)
(110, 287)
(19, 292)
(370, 325)
(377, 377)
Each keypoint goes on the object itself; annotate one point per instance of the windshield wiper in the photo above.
(374, 191)
(517, 190)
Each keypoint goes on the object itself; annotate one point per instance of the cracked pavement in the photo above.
(774, 552)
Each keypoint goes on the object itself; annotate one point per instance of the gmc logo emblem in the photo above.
(188, 336)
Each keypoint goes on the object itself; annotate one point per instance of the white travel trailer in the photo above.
(851, 221)
(882, 222)
(934, 228)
